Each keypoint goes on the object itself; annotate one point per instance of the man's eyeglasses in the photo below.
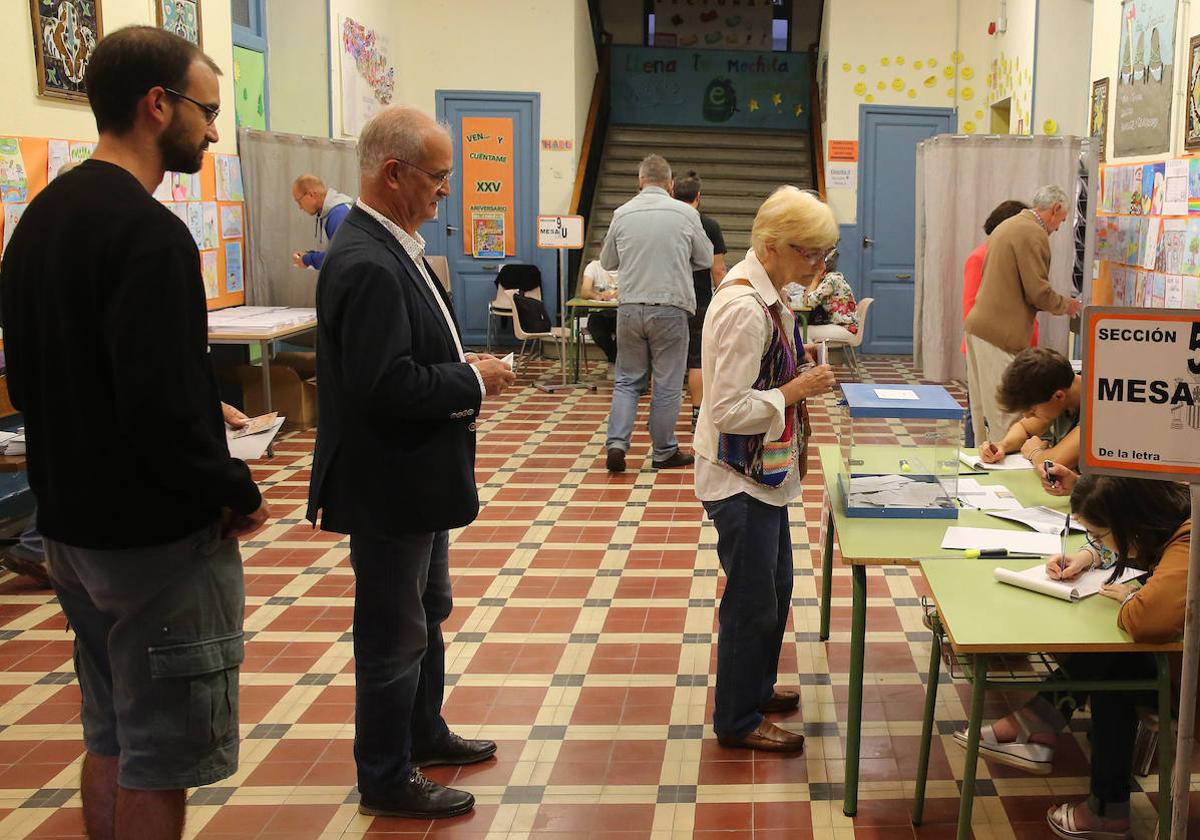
(814, 256)
(441, 178)
(210, 113)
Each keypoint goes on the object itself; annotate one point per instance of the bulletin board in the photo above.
(1148, 236)
(210, 203)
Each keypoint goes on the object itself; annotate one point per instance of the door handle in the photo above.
(903, 276)
(868, 242)
(450, 229)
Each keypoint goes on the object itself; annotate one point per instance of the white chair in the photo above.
(557, 334)
(849, 346)
(500, 307)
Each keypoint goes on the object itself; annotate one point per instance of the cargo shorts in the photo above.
(158, 643)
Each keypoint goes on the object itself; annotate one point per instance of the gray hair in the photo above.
(1047, 196)
(398, 132)
(654, 169)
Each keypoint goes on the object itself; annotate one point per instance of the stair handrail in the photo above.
(816, 140)
(591, 149)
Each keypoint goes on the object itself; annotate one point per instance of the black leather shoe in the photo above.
(419, 799)
(677, 459)
(615, 462)
(456, 750)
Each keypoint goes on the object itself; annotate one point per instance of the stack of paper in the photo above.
(13, 443)
(248, 447)
(1016, 461)
(894, 491)
(239, 319)
(1035, 579)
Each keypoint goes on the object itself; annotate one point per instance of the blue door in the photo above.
(473, 280)
(887, 216)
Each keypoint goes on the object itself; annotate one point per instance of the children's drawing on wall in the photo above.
(233, 267)
(1191, 129)
(1146, 58)
(229, 178)
(211, 274)
(195, 222)
(12, 214)
(210, 239)
(14, 184)
(1098, 118)
(231, 222)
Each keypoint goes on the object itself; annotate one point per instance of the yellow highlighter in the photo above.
(972, 553)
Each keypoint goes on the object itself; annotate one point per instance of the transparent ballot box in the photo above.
(899, 451)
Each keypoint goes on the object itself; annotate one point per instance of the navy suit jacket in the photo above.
(395, 449)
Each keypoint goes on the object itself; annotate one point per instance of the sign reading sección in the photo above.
(1141, 413)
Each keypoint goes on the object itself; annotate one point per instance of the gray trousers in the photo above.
(650, 339)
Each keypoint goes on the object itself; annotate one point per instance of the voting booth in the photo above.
(917, 480)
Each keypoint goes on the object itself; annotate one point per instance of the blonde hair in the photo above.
(794, 216)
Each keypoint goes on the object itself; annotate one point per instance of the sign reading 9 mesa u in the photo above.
(1141, 411)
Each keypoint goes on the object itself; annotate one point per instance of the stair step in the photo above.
(775, 173)
(706, 139)
(695, 158)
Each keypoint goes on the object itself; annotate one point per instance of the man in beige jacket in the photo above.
(1015, 287)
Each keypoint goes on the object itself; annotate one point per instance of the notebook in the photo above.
(1015, 461)
(1087, 584)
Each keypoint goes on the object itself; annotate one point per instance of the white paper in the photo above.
(895, 393)
(894, 491)
(1087, 584)
(1015, 461)
(251, 447)
(972, 494)
(1042, 519)
(1175, 202)
(508, 361)
(842, 175)
(1150, 243)
(1021, 542)
(58, 153)
(823, 353)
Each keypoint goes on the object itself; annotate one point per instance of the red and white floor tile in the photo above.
(583, 640)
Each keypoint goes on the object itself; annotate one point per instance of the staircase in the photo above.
(737, 171)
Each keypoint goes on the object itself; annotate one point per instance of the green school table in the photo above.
(895, 542)
(982, 616)
(580, 307)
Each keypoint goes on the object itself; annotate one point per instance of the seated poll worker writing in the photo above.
(1133, 523)
(1040, 384)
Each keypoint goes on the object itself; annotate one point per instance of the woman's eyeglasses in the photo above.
(815, 255)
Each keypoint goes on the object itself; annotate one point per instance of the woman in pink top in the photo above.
(973, 268)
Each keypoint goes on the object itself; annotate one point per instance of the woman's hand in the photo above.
(1060, 480)
(991, 453)
(1118, 591)
(1032, 447)
(1069, 567)
(814, 381)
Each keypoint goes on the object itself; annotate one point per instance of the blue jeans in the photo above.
(402, 596)
(755, 550)
(649, 338)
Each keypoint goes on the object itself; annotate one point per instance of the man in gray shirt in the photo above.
(656, 242)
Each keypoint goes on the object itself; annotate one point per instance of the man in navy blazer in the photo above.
(395, 459)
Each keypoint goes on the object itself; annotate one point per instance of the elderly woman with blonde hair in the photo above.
(751, 448)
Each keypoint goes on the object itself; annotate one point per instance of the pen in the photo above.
(1051, 480)
(1066, 530)
(972, 553)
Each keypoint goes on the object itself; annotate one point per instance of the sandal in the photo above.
(1022, 753)
(1062, 822)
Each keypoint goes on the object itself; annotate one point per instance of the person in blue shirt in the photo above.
(328, 206)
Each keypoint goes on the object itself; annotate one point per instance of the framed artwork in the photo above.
(65, 33)
(1098, 121)
(1191, 125)
(181, 17)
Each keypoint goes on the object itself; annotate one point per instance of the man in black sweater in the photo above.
(138, 498)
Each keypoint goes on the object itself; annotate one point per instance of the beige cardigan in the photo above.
(1015, 285)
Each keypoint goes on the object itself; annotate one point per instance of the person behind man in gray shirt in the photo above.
(656, 242)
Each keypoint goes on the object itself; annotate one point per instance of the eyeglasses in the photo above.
(210, 113)
(814, 256)
(441, 178)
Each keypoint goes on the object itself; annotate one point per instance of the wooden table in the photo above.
(982, 616)
(894, 542)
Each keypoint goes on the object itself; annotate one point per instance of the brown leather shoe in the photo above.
(769, 738)
(781, 701)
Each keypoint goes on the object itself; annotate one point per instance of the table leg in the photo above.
(576, 344)
(858, 634)
(265, 350)
(979, 667)
(827, 573)
(931, 689)
(1166, 745)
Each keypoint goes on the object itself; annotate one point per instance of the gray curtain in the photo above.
(275, 225)
(960, 179)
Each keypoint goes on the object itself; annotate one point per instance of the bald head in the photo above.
(309, 191)
(399, 132)
(308, 182)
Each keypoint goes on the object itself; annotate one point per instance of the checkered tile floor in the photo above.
(583, 640)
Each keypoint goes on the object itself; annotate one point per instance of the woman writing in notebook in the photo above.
(1130, 522)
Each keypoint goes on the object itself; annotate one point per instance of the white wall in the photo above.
(24, 113)
(298, 66)
(1064, 53)
(541, 46)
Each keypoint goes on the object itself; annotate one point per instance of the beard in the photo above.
(179, 153)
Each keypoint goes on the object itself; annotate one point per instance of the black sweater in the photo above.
(105, 337)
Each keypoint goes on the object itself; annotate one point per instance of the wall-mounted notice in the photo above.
(488, 175)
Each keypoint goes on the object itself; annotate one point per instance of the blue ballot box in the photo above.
(915, 479)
